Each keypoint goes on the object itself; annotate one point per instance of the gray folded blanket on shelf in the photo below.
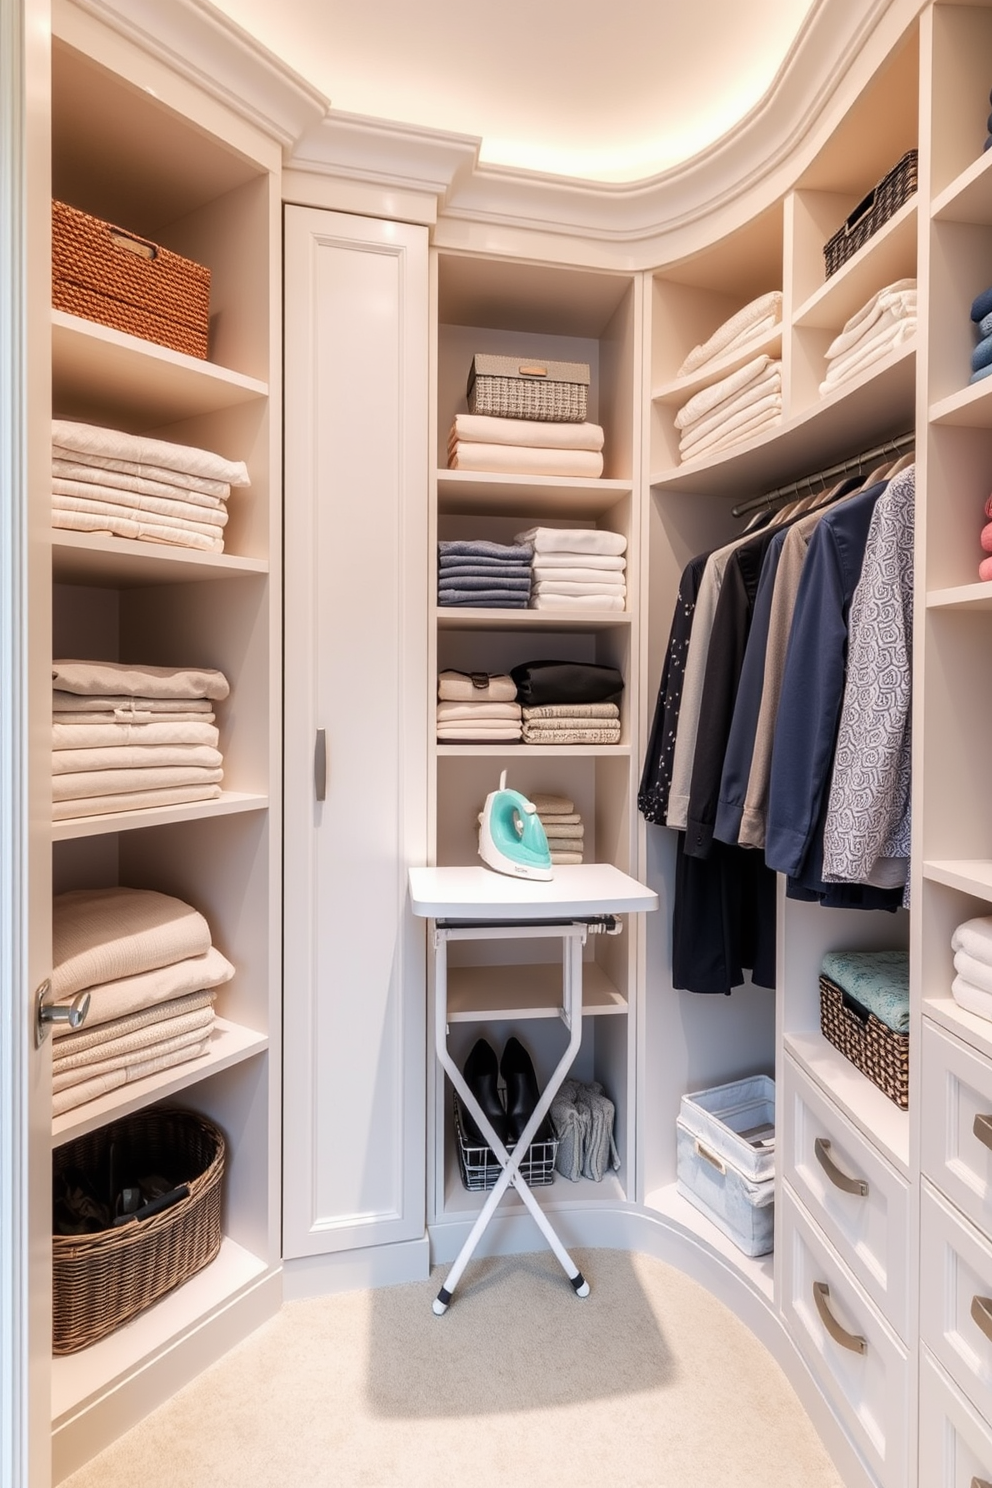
(582, 1116)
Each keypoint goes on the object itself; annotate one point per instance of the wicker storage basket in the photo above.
(877, 1051)
(508, 387)
(102, 1280)
(881, 203)
(106, 274)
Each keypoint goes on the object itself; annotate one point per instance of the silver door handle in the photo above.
(981, 1313)
(821, 1148)
(980, 1483)
(320, 765)
(853, 1341)
(982, 1127)
(47, 1013)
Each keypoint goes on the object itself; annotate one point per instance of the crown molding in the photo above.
(202, 44)
(358, 147)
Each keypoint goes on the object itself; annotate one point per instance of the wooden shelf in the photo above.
(681, 389)
(970, 875)
(227, 803)
(230, 1043)
(147, 385)
(969, 408)
(969, 197)
(672, 1206)
(888, 255)
(880, 1119)
(466, 492)
(541, 751)
(963, 597)
(464, 617)
(507, 993)
(957, 1020)
(120, 563)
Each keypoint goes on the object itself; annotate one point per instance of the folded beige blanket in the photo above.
(64, 719)
(451, 711)
(171, 511)
(134, 530)
(107, 1035)
(483, 733)
(709, 398)
(533, 733)
(100, 935)
(84, 783)
(120, 998)
(572, 710)
(458, 687)
(90, 1089)
(572, 601)
(550, 805)
(86, 736)
(128, 709)
(92, 480)
(158, 1037)
(758, 315)
(545, 561)
(573, 540)
(716, 441)
(95, 506)
(567, 586)
(729, 416)
(135, 757)
(513, 459)
(563, 831)
(551, 819)
(196, 485)
(98, 679)
(558, 856)
(93, 439)
(146, 800)
(480, 428)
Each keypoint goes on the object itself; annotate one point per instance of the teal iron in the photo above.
(511, 837)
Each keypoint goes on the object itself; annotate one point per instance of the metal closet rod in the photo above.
(900, 445)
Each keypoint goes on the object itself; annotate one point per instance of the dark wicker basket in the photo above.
(106, 274)
(881, 203)
(876, 1050)
(103, 1280)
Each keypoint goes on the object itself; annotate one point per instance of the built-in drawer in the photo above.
(856, 1359)
(857, 1199)
(956, 1123)
(955, 1443)
(956, 1299)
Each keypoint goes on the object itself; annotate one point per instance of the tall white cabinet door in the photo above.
(356, 379)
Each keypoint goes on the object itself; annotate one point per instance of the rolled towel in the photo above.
(975, 938)
(574, 540)
(100, 678)
(480, 428)
(758, 315)
(460, 687)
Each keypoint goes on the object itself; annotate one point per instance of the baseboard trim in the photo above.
(350, 1270)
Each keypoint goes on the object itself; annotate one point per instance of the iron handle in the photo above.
(320, 765)
(982, 1127)
(47, 1013)
(853, 1341)
(821, 1148)
(981, 1313)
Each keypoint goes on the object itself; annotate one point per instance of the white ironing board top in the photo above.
(479, 893)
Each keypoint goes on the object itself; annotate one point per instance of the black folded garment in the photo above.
(541, 683)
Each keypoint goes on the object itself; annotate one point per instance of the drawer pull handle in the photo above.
(320, 765)
(981, 1313)
(980, 1483)
(839, 1180)
(982, 1127)
(853, 1341)
(710, 1157)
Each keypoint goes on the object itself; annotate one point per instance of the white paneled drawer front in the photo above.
(956, 1142)
(857, 1360)
(955, 1443)
(857, 1199)
(956, 1300)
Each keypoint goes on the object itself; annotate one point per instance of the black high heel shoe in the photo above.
(481, 1071)
(522, 1093)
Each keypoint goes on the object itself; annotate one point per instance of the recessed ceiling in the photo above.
(604, 90)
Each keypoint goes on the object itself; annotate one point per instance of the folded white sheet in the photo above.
(96, 736)
(974, 937)
(725, 421)
(448, 712)
(145, 800)
(93, 439)
(546, 560)
(513, 459)
(972, 997)
(573, 601)
(134, 529)
(107, 1035)
(758, 315)
(105, 679)
(901, 293)
(709, 398)
(567, 586)
(126, 708)
(122, 997)
(91, 1089)
(101, 935)
(458, 687)
(81, 474)
(717, 441)
(873, 353)
(134, 757)
(196, 486)
(480, 428)
(573, 540)
(83, 783)
(578, 573)
(72, 495)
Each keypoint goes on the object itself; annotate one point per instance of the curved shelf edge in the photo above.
(226, 804)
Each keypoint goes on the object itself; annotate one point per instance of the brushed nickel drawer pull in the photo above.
(320, 765)
(710, 1157)
(821, 1148)
(980, 1483)
(853, 1341)
(982, 1127)
(981, 1313)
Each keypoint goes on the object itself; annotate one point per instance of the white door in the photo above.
(356, 451)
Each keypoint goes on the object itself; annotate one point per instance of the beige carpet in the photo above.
(647, 1383)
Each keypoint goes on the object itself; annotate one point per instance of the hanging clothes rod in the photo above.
(899, 445)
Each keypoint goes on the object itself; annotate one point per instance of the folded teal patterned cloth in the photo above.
(878, 980)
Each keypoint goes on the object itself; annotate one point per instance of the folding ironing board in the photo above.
(479, 904)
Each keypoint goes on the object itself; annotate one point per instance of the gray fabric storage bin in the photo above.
(726, 1159)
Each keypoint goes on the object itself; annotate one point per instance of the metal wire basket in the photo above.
(480, 1168)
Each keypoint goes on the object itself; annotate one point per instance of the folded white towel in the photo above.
(137, 529)
(710, 397)
(581, 601)
(105, 1035)
(577, 573)
(566, 586)
(717, 441)
(144, 800)
(99, 679)
(573, 540)
(100, 935)
(452, 711)
(974, 937)
(873, 353)
(84, 783)
(763, 312)
(122, 997)
(134, 757)
(900, 293)
(92, 439)
(128, 708)
(458, 687)
(86, 736)
(514, 459)
(198, 488)
(973, 998)
(481, 428)
(610, 562)
(769, 384)
(979, 973)
(91, 496)
(724, 422)
(87, 1090)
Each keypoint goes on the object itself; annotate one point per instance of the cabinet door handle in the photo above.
(981, 1313)
(980, 1483)
(853, 1341)
(821, 1147)
(320, 765)
(982, 1127)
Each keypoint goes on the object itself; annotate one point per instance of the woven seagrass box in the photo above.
(877, 1051)
(881, 203)
(511, 387)
(104, 1279)
(103, 273)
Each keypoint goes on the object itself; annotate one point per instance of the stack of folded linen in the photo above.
(972, 947)
(581, 568)
(562, 825)
(129, 737)
(150, 969)
(485, 575)
(104, 480)
(735, 408)
(876, 980)
(572, 723)
(872, 333)
(510, 446)
(749, 324)
(981, 319)
(476, 708)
